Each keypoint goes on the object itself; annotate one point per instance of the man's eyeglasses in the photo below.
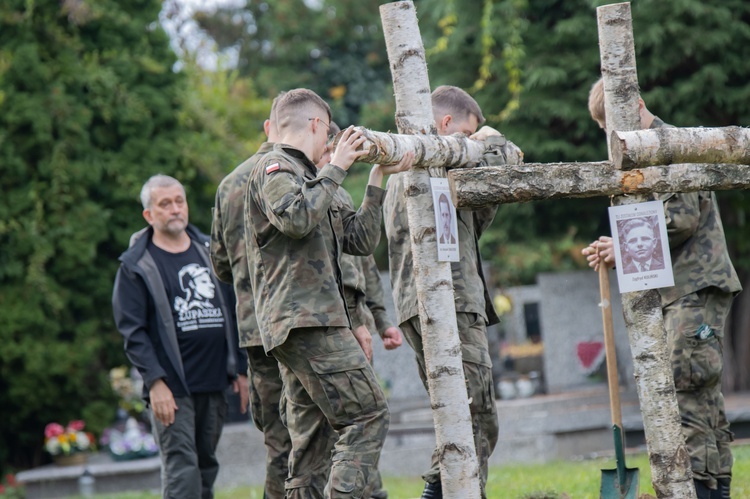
(328, 127)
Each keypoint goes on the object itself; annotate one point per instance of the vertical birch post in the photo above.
(459, 467)
(668, 457)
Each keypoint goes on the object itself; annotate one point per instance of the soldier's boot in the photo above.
(702, 491)
(432, 491)
(724, 484)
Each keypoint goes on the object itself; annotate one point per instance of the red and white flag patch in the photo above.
(272, 168)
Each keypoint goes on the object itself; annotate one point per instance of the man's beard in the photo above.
(175, 226)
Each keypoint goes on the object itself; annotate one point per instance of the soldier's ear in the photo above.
(447, 119)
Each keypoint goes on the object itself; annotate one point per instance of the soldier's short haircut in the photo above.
(275, 105)
(158, 180)
(297, 106)
(596, 102)
(447, 99)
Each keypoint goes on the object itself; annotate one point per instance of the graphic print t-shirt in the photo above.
(198, 317)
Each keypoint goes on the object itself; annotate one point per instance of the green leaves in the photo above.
(84, 124)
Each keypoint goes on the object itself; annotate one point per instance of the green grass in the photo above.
(555, 480)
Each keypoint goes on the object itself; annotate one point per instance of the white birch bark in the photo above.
(477, 188)
(668, 457)
(431, 151)
(459, 468)
(667, 145)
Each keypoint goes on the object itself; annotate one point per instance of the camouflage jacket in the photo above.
(296, 231)
(363, 288)
(228, 255)
(697, 243)
(469, 284)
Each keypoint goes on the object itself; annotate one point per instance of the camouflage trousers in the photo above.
(328, 383)
(472, 332)
(697, 364)
(265, 394)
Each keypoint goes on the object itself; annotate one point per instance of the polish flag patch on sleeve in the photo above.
(272, 168)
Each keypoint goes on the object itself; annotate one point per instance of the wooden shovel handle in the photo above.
(609, 344)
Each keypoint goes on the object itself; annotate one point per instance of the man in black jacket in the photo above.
(180, 334)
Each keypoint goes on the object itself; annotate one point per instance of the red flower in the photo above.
(10, 479)
(76, 425)
(53, 430)
(2, 489)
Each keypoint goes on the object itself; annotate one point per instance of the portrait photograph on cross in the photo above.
(642, 258)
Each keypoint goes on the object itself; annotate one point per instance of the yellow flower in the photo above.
(502, 304)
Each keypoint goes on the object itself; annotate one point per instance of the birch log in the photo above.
(459, 468)
(668, 457)
(487, 186)
(667, 145)
(431, 151)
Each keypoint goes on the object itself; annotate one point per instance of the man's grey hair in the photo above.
(158, 180)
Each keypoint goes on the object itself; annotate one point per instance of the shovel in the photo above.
(621, 482)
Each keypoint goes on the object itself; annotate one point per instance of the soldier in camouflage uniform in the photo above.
(695, 311)
(455, 112)
(296, 231)
(230, 263)
(363, 292)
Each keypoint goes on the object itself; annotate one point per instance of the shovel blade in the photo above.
(613, 488)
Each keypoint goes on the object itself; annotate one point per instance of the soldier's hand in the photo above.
(378, 172)
(484, 132)
(241, 386)
(601, 249)
(162, 402)
(347, 149)
(406, 162)
(392, 338)
(364, 338)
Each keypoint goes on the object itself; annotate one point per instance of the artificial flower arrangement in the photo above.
(132, 442)
(59, 440)
(11, 489)
(128, 385)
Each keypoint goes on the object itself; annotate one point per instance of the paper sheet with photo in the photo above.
(639, 233)
(445, 221)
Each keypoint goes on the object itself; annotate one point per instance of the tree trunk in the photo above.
(666, 145)
(485, 186)
(670, 462)
(431, 151)
(450, 406)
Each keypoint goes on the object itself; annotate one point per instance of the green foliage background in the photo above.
(91, 105)
(89, 108)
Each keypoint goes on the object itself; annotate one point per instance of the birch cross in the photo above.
(459, 467)
(706, 159)
(701, 159)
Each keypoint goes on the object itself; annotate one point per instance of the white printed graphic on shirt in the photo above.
(195, 309)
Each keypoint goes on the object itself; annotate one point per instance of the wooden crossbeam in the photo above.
(431, 151)
(486, 186)
(667, 145)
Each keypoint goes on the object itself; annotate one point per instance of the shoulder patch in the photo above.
(272, 168)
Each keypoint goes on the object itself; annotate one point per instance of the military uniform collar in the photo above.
(266, 147)
(657, 123)
(298, 155)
